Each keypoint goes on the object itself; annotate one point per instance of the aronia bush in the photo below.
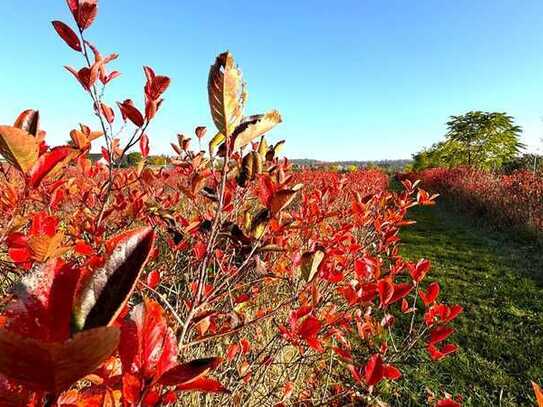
(505, 200)
(221, 278)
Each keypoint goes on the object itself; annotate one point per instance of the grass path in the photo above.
(498, 279)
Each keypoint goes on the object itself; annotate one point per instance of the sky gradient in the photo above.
(353, 79)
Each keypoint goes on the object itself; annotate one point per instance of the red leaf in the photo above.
(148, 347)
(310, 327)
(83, 248)
(391, 372)
(355, 373)
(128, 110)
(20, 254)
(29, 121)
(245, 346)
(44, 305)
(232, 351)
(156, 85)
(400, 291)
(107, 112)
(105, 154)
(439, 334)
(386, 290)
(438, 354)
(373, 372)
(153, 279)
(85, 13)
(538, 394)
(418, 272)
(452, 403)
(47, 163)
(200, 131)
(132, 387)
(144, 145)
(204, 384)
(73, 5)
(432, 291)
(67, 34)
(200, 250)
(186, 372)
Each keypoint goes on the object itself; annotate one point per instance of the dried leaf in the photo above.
(254, 126)
(281, 199)
(226, 92)
(310, 263)
(18, 147)
(29, 121)
(214, 143)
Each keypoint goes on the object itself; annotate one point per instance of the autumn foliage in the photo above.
(222, 277)
(505, 200)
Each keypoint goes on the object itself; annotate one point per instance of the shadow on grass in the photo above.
(498, 279)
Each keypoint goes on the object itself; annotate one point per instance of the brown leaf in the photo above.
(18, 147)
(29, 121)
(310, 264)
(226, 92)
(186, 372)
(254, 126)
(281, 199)
(46, 247)
(55, 366)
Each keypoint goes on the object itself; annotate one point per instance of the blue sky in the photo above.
(354, 79)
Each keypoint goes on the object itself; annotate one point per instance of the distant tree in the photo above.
(157, 160)
(434, 156)
(526, 162)
(351, 168)
(133, 158)
(481, 139)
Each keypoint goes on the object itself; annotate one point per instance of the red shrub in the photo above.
(505, 200)
(139, 280)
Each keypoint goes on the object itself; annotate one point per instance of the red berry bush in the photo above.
(221, 278)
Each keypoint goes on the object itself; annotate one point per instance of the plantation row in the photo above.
(514, 200)
(222, 279)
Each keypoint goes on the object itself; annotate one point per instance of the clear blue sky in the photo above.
(354, 79)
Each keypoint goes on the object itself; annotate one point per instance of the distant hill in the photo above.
(387, 164)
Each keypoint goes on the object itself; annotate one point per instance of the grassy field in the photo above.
(498, 279)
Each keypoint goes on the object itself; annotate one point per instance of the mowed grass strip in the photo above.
(498, 279)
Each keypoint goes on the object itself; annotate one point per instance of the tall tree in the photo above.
(481, 139)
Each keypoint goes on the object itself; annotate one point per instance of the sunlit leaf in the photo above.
(29, 121)
(226, 92)
(18, 147)
(253, 127)
(310, 263)
(49, 163)
(108, 289)
(68, 35)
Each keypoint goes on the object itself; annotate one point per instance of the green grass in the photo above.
(498, 279)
